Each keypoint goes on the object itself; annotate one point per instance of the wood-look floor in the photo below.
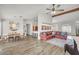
(30, 46)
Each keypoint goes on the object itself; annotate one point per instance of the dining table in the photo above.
(14, 37)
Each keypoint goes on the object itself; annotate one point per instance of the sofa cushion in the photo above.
(63, 33)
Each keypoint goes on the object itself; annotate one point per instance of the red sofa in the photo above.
(46, 35)
(61, 35)
(50, 34)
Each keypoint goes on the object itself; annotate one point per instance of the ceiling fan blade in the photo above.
(60, 10)
(58, 5)
(44, 11)
(48, 9)
(48, 13)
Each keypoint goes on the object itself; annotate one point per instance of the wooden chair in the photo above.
(10, 39)
(17, 38)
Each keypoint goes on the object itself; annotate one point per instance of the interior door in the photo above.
(27, 29)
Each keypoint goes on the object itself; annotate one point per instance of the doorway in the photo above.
(27, 29)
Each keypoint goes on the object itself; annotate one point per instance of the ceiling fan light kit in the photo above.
(54, 9)
(53, 12)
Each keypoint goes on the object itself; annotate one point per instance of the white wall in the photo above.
(6, 25)
(43, 19)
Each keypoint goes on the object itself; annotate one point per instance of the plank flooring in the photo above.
(30, 46)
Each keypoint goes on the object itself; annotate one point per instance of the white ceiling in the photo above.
(28, 11)
(25, 10)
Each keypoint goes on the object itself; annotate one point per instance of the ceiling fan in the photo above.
(55, 8)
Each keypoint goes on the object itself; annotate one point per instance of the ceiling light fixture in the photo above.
(53, 12)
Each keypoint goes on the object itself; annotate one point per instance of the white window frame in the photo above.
(66, 28)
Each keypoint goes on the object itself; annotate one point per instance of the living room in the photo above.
(38, 22)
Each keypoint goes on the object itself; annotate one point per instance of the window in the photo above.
(66, 28)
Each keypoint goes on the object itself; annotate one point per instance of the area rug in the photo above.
(57, 42)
